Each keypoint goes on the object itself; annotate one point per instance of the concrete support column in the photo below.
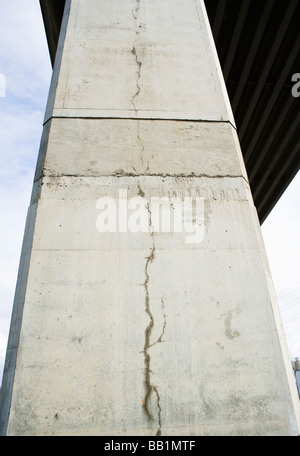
(144, 304)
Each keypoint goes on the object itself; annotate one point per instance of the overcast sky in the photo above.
(25, 64)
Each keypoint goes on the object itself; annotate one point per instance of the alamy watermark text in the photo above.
(296, 87)
(159, 214)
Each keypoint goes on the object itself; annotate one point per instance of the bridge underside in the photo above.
(258, 45)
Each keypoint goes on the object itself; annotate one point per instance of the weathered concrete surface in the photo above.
(139, 59)
(142, 333)
(85, 147)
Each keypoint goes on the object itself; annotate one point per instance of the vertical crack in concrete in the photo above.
(158, 433)
(159, 340)
(135, 14)
(142, 147)
(140, 192)
(150, 388)
(132, 102)
(148, 385)
(138, 88)
(147, 360)
(135, 11)
(138, 62)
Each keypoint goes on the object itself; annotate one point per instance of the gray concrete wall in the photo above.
(143, 333)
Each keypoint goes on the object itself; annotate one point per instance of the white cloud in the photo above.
(24, 55)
